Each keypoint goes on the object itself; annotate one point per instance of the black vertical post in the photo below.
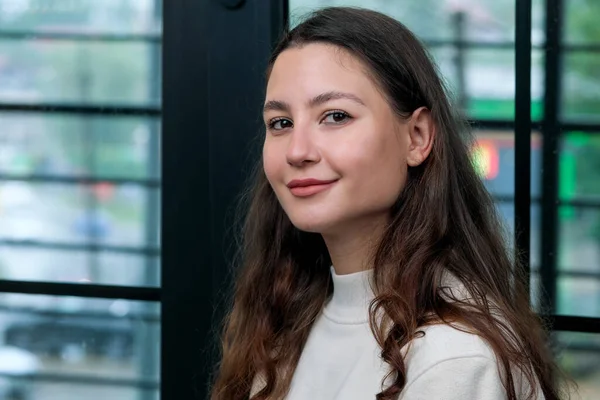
(523, 132)
(239, 72)
(214, 60)
(186, 272)
(551, 136)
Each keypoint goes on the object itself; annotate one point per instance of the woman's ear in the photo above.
(421, 130)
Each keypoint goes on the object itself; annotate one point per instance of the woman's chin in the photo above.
(314, 226)
(308, 227)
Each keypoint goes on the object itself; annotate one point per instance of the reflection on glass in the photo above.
(74, 338)
(578, 355)
(581, 86)
(110, 147)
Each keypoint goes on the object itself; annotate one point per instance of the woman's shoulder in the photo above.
(446, 361)
(444, 343)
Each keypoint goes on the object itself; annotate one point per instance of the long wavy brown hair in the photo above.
(443, 221)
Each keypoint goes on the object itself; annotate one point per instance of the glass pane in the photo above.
(580, 166)
(131, 214)
(30, 263)
(579, 356)
(581, 21)
(581, 86)
(41, 211)
(494, 156)
(490, 83)
(579, 296)
(81, 15)
(128, 269)
(579, 245)
(35, 70)
(484, 20)
(110, 147)
(50, 338)
(103, 213)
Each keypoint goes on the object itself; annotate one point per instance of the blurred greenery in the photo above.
(581, 22)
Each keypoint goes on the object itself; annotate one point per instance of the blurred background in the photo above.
(80, 172)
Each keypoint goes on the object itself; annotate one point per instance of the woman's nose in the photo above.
(301, 149)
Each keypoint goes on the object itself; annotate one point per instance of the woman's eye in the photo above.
(279, 124)
(336, 117)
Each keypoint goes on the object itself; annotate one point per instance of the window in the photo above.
(79, 198)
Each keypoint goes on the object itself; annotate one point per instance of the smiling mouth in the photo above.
(309, 189)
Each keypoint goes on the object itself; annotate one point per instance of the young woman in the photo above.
(373, 260)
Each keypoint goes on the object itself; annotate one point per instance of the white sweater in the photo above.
(341, 359)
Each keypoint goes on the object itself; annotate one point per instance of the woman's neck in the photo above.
(351, 250)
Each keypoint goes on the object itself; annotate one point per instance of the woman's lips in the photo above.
(309, 187)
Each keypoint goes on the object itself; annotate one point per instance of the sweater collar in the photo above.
(352, 295)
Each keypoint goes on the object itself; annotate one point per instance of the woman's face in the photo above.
(335, 153)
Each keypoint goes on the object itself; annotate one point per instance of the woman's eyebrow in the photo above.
(278, 105)
(333, 95)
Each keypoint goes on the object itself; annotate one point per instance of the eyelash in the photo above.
(272, 122)
(332, 112)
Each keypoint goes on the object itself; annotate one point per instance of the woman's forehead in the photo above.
(316, 68)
